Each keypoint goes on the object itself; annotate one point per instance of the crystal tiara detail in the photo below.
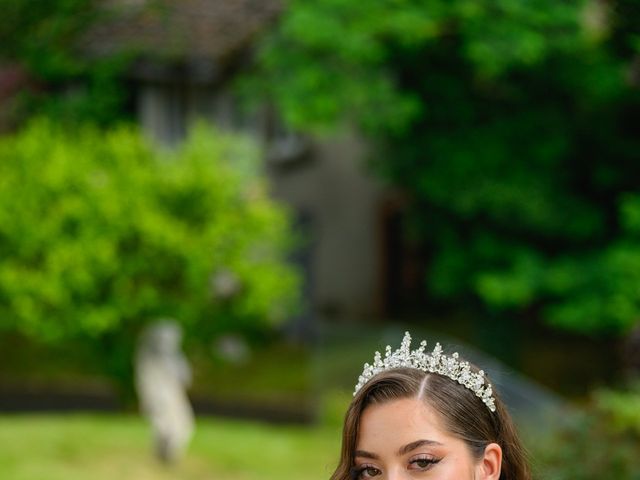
(434, 362)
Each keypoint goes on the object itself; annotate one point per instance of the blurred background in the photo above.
(295, 183)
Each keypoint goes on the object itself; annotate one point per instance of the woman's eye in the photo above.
(423, 463)
(371, 472)
(367, 472)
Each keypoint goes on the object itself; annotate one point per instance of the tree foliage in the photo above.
(514, 127)
(596, 442)
(46, 41)
(100, 234)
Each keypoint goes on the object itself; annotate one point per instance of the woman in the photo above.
(427, 415)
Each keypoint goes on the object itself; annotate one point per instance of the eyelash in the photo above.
(427, 463)
(356, 472)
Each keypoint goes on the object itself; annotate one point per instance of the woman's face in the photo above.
(404, 439)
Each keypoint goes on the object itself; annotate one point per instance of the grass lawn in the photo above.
(101, 447)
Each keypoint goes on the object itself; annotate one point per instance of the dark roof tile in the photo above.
(180, 29)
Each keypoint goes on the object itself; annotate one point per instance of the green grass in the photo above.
(82, 446)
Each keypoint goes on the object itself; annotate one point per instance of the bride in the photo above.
(427, 415)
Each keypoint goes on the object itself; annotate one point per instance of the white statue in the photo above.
(162, 376)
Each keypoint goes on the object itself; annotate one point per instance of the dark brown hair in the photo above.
(463, 414)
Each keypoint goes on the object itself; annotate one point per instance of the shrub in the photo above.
(595, 444)
(101, 233)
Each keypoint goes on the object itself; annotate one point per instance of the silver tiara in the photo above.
(434, 362)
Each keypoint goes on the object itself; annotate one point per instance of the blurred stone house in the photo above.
(186, 54)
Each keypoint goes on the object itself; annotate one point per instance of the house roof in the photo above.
(180, 30)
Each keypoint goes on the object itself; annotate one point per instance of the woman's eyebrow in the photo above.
(365, 454)
(417, 444)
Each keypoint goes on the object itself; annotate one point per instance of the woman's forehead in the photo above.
(399, 422)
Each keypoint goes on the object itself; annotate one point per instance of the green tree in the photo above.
(514, 127)
(100, 234)
(598, 441)
(46, 40)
